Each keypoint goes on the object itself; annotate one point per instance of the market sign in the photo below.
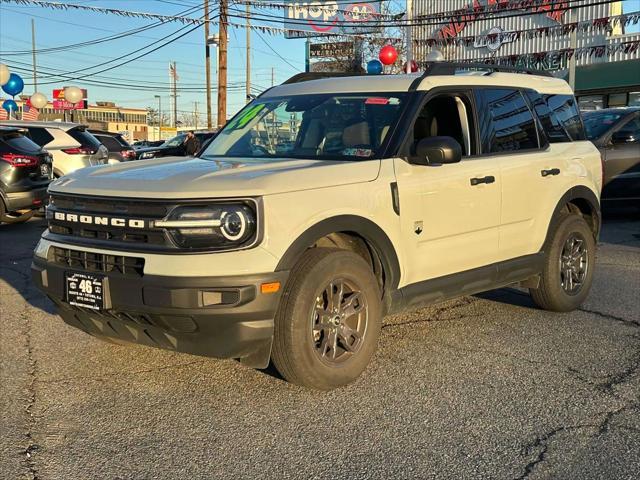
(494, 39)
(59, 103)
(329, 17)
(331, 50)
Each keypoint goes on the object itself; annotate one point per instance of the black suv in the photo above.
(173, 147)
(25, 174)
(119, 149)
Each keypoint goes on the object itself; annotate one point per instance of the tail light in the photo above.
(17, 160)
(130, 154)
(79, 151)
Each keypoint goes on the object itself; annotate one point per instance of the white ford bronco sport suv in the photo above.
(324, 205)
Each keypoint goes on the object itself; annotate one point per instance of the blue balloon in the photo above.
(374, 67)
(14, 86)
(10, 106)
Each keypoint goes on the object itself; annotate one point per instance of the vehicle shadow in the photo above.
(17, 243)
(620, 224)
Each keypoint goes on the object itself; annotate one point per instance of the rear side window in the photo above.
(111, 143)
(40, 135)
(555, 131)
(566, 111)
(18, 142)
(506, 122)
(84, 138)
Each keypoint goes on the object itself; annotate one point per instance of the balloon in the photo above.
(388, 55)
(14, 85)
(72, 94)
(10, 106)
(374, 67)
(435, 55)
(414, 66)
(38, 100)
(4, 74)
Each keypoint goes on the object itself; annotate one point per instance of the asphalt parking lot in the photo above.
(482, 387)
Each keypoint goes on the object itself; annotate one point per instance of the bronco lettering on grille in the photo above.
(100, 220)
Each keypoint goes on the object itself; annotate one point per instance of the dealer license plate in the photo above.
(85, 290)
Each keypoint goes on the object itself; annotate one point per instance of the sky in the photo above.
(56, 27)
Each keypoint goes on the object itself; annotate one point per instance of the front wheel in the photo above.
(10, 217)
(328, 322)
(568, 271)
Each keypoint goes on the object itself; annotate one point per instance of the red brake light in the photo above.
(128, 153)
(79, 151)
(19, 160)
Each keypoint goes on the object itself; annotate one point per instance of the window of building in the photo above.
(617, 100)
(566, 111)
(591, 102)
(506, 123)
(634, 99)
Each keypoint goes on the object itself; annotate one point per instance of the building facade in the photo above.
(132, 123)
(543, 35)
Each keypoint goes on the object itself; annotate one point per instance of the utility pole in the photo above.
(409, 46)
(159, 116)
(273, 76)
(248, 62)
(33, 50)
(207, 61)
(222, 65)
(195, 114)
(174, 93)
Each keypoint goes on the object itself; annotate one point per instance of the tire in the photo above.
(564, 286)
(7, 217)
(316, 345)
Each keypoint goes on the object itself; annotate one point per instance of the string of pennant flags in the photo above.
(598, 25)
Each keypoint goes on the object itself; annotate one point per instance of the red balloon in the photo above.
(414, 66)
(388, 55)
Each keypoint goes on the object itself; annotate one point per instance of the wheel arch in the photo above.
(379, 244)
(579, 199)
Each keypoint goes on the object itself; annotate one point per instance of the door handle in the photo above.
(551, 171)
(479, 180)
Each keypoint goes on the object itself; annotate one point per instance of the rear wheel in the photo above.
(328, 322)
(568, 271)
(14, 217)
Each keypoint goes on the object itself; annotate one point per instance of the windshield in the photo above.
(321, 126)
(175, 141)
(596, 123)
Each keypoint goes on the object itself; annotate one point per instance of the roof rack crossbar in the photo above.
(307, 76)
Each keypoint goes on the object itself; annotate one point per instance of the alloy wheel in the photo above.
(574, 264)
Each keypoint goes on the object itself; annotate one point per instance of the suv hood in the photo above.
(175, 177)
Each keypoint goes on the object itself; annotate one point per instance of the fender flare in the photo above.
(582, 193)
(368, 230)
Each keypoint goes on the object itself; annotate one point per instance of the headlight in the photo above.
(220, 227)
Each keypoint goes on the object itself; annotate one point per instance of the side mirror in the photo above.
(621, 137)
(436, 151)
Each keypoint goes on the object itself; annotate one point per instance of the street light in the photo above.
(159, 115)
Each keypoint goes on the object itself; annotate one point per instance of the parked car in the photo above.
(25, 174)
(146, 143)
(119, 149)
(616, 133)
(173, 147)
(384, 193)
(70, 144)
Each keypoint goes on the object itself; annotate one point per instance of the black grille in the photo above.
(98, 262)
(116, 207)
(110, 206)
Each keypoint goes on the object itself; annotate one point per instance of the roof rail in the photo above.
(450, 68)
(306, 76)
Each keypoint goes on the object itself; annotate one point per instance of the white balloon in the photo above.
(435, 55)
(4, 74)
(72, 94)
(38, 100)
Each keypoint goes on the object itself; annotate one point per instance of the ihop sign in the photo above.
(328, 17)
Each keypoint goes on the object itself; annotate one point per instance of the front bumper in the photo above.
(26, 200)
(223, 317)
